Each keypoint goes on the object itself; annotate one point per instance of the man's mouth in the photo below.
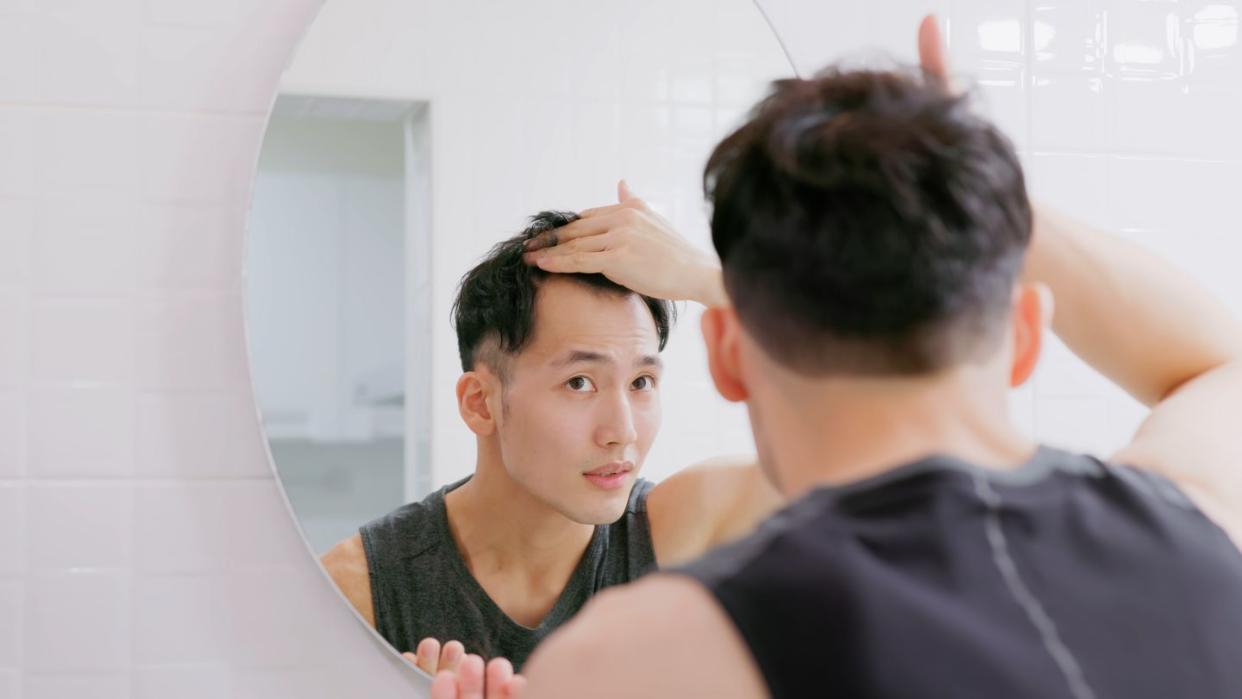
(610, 476)
(612, 469)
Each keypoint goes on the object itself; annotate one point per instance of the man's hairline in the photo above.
(492, 336)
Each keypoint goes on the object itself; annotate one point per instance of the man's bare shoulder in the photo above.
(1188, 438)
(708, 504)
(346, 562)
(663, 636)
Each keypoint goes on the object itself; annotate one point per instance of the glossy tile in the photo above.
(79, 526)
(77, 622)
(87, 432)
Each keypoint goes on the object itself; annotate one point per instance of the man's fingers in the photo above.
(574, 263)
(499, 672)
(451, 656)
(594, 243)
(557, 236)
(582, 228)
(627, 197)
(513, 689)
(931, 50)
(427, 655)
(598, 211)
(470, 678)
(444, 686)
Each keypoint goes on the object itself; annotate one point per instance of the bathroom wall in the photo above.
(145, 549)
(1125, 113)
(526, 116)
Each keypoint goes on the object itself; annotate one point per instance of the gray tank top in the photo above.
(420, 586)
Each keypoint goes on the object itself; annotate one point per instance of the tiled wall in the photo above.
(528, 113)
(145, 549)
(1126, 115)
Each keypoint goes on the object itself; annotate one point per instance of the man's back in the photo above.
(1067, 577)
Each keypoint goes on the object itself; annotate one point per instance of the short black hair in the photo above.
(868, 223)
(496, 299)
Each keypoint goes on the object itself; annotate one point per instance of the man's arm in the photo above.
(1153, 331)
(663, 636)
(346, 563)
(706, 505)
(1165, 340)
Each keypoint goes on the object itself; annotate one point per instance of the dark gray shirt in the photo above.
(1068, 577)
(420, 586)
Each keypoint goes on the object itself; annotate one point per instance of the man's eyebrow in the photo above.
(582, 357)
(651, 360)
(589, 357)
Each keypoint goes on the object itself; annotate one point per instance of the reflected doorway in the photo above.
(338, 304)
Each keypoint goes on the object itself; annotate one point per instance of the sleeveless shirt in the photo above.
(421, 587)
(1068, 577)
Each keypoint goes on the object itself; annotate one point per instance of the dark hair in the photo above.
(496, 300)
(868, 223)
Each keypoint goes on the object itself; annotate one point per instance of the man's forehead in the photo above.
(573, 317)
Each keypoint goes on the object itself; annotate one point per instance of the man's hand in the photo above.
(468, 682)
(634, 247)
(931, 51)
(431, 657)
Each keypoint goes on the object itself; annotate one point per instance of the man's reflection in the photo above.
(561, 388)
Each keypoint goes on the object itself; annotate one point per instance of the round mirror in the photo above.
(408, 140)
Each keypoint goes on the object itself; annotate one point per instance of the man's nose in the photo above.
(616, 423)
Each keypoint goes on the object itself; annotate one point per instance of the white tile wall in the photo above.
(144, 547)
(80, 525)
(1125, 117)
(14, 351)
(516, 130)
(94, 685)
(77, 620)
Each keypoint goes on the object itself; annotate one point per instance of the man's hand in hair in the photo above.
(633, 246)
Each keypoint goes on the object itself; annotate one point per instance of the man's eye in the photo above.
(644, 383)
(580, 384)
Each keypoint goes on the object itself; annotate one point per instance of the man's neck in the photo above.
(836, 431)
(501, 528)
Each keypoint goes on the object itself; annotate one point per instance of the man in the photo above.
(561, 388)
(874, 236)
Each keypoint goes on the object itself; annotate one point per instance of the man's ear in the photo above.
(721, 335)
(1032, 318)
(473, 390)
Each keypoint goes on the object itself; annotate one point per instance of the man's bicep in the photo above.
(346, 563)
(1192, 438)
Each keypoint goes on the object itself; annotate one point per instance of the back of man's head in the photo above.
(869, 223)
(494, 312)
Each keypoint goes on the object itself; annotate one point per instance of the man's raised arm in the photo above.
(1169, 343)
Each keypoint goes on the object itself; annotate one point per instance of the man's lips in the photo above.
(611, 469)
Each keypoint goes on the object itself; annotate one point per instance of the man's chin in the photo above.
(599, 507)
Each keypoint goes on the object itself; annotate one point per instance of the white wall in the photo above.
(135, 498)
(1126, 115)
(528, 113)
(145, 549)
